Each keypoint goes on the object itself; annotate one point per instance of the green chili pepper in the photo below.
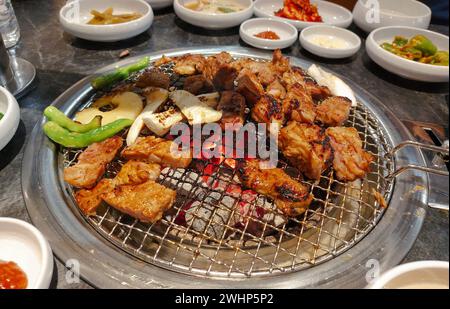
(69, 139)
(389, 48)
(411, 53)
(423, 44)
(119, 74)
(55, 115)
(400, 41)
(440, 58)
(1, 116)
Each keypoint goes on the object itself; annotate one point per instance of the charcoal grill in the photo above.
(331, 245)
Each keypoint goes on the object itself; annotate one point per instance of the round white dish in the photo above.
(403, 67)
(75, 15)
(287, 33)
(332, 14)
(369, 15)
(352, 41)
(210, 20)
(22, 243)
(415, 275)
(159, 4)
(11, 117)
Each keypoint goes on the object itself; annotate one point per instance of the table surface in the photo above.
(61, 60)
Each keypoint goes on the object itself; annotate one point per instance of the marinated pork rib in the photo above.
(211, 64)
(249, 86)
(333, 111)
(132, 172)
(232, 105)
(306, 147)
(268, 110)
(224, 77)
(157, 150)
(153, 78)
(290, 196)
(276, 90)
(198, 84)
(145, 202)
(350, 160)
(188, 64)
(298, 104)
(92, 163)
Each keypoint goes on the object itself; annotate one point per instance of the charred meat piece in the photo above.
(198, 84)
(211, 64)
(306, 147)
(92, 163)
(280, 64)
(290, 196)
(350, 160)
(298, 104)
(333, 111)
(317, 92)
(224, 77)
(157, 150)
(276, 90)
(249, 86)
(145, 202)
(132, 172)
(232, 105)
(153, 78)
(188, 64)
(268, 110)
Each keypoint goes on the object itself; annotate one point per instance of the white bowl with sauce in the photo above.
(330, 41)
(11, 117)
(211, 18)
(415, 275)
(370, 15)
(331, 13)
(23, 244)
(75, 15)
(286, 32)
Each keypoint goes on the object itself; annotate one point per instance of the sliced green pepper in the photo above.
(440, 58)
(119, 74)
(69, 139)
(389, 48)
(411, 53)
(400, 41)
(422, 43)
(55, 115)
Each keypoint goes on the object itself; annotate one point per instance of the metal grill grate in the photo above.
(231, 232)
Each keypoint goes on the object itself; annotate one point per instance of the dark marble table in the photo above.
(61, 60)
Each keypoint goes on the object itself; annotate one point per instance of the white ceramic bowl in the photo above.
(287, 33)
(22, 243)
(75, 15)
(352, 41)
(210, 20)
(332, 14)
(415, 275)
(11, 116)
(404, 67)
(410, 13)
(159, 4)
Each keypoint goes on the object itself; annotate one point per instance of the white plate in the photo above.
(23, 244)
(287, 33)
(404, 67)
(211, 20)
(11, 117)
(352, 41)
(332, 14)
(369, 15)
(159, 4)
(75, 15)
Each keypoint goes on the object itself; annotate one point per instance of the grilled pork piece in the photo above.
(224, 77)
(249, 86)
(188, 64)
(132, 172)
(276, 90)
(268, 110)
(145, 202)
(298, 104)
(211, 64)
(198, 84)
(92, 163)
(306, 147)
(290, 196)
(333, 111)
(153, 78)
(350, 160)
(232, 105)
(157, 150)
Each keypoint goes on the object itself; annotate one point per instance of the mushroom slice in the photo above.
(194, 109)
(160, 123)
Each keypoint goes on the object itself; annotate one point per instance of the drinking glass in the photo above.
(9, 28)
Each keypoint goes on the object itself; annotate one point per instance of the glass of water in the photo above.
(9, 28)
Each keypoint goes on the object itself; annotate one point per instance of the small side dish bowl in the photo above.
(331, 13)
(286, 32)
(403, 67)
(23, 244)
(11, 117)
(370, 15)
(213, 21)
(159, 4)
(415, 275)
(75, 15)
(346, 42)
